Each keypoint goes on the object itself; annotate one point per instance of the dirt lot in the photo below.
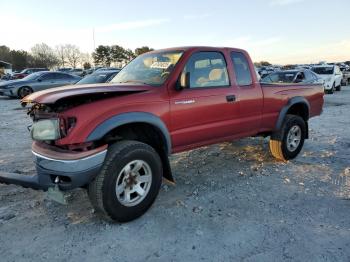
(232, 202)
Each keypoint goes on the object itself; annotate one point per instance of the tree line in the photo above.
(42, 55)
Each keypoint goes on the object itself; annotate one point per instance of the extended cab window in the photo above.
(241, 69)
(206, 69)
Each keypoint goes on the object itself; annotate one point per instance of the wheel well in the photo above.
(23, 87)
(299, 109)
(145, 133)
(302, 110)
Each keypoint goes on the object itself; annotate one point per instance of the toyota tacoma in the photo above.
(114, 139)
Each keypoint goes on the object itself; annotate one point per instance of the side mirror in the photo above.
(183, 81)
(39, 80)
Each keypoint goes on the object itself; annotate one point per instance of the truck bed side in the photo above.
(277, 96)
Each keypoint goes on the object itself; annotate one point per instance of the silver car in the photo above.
(36, 82)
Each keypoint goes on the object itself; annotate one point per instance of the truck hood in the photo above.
(51, 96)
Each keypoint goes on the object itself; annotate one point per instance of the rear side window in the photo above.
(48, 76)
(241, 69)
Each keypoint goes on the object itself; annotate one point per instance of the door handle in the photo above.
(231, 98)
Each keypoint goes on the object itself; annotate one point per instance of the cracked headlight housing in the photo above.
(45, 130)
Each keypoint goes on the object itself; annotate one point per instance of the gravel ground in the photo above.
(232, 202)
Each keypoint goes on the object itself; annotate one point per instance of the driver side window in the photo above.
(205, 69)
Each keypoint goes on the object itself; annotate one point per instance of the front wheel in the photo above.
(128, 183)
(287, 143)
(24, 91)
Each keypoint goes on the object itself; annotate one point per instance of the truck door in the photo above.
(206, 109)
(250, 95)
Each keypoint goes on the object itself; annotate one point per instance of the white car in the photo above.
(332, 77)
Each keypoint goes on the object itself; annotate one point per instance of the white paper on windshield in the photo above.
(161, 65)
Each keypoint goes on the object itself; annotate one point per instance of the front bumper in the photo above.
(328, 85)
(7, 92)
(73, 169)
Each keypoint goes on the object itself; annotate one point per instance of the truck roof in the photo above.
(193, 48)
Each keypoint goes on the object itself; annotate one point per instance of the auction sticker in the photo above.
(161, 65)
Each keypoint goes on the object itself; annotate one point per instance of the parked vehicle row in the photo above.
(330, 75)
(26, 72)
(36, 82)
(48, 79)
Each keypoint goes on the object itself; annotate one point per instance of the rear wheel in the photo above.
(287, 143)
(128, 183)
(24, 91)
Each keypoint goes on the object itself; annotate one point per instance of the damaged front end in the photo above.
(63, 162)
(58, 167)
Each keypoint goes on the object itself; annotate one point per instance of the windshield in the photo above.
(33, 76)
(96, 78)
(150, 68)
(279, 77)
(323, 70)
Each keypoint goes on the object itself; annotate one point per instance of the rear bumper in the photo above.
(73, 169)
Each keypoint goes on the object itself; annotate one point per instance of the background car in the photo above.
(27, 71)
(100, 76)
(303, 76)
(36, 82)
(64, 69)
(76, 71)
(331, 75)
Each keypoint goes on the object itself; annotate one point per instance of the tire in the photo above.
(24, 91)
(280, 145)
(332, 90)
(338, 88)
(113, 176)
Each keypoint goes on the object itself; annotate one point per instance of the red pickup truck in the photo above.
(114, 139)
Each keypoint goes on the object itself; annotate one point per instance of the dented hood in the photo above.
(52, 95)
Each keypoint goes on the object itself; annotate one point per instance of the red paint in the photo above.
(210, 119)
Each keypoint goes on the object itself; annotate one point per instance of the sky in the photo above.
(279, 31)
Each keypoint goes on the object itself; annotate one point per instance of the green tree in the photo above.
(118, 53)
(102, 55)
(130, 55)
(142, 50)
(5, 54)
(86, 65)
(265, 63)
(20, 59)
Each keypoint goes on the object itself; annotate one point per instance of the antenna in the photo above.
(93, 37)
